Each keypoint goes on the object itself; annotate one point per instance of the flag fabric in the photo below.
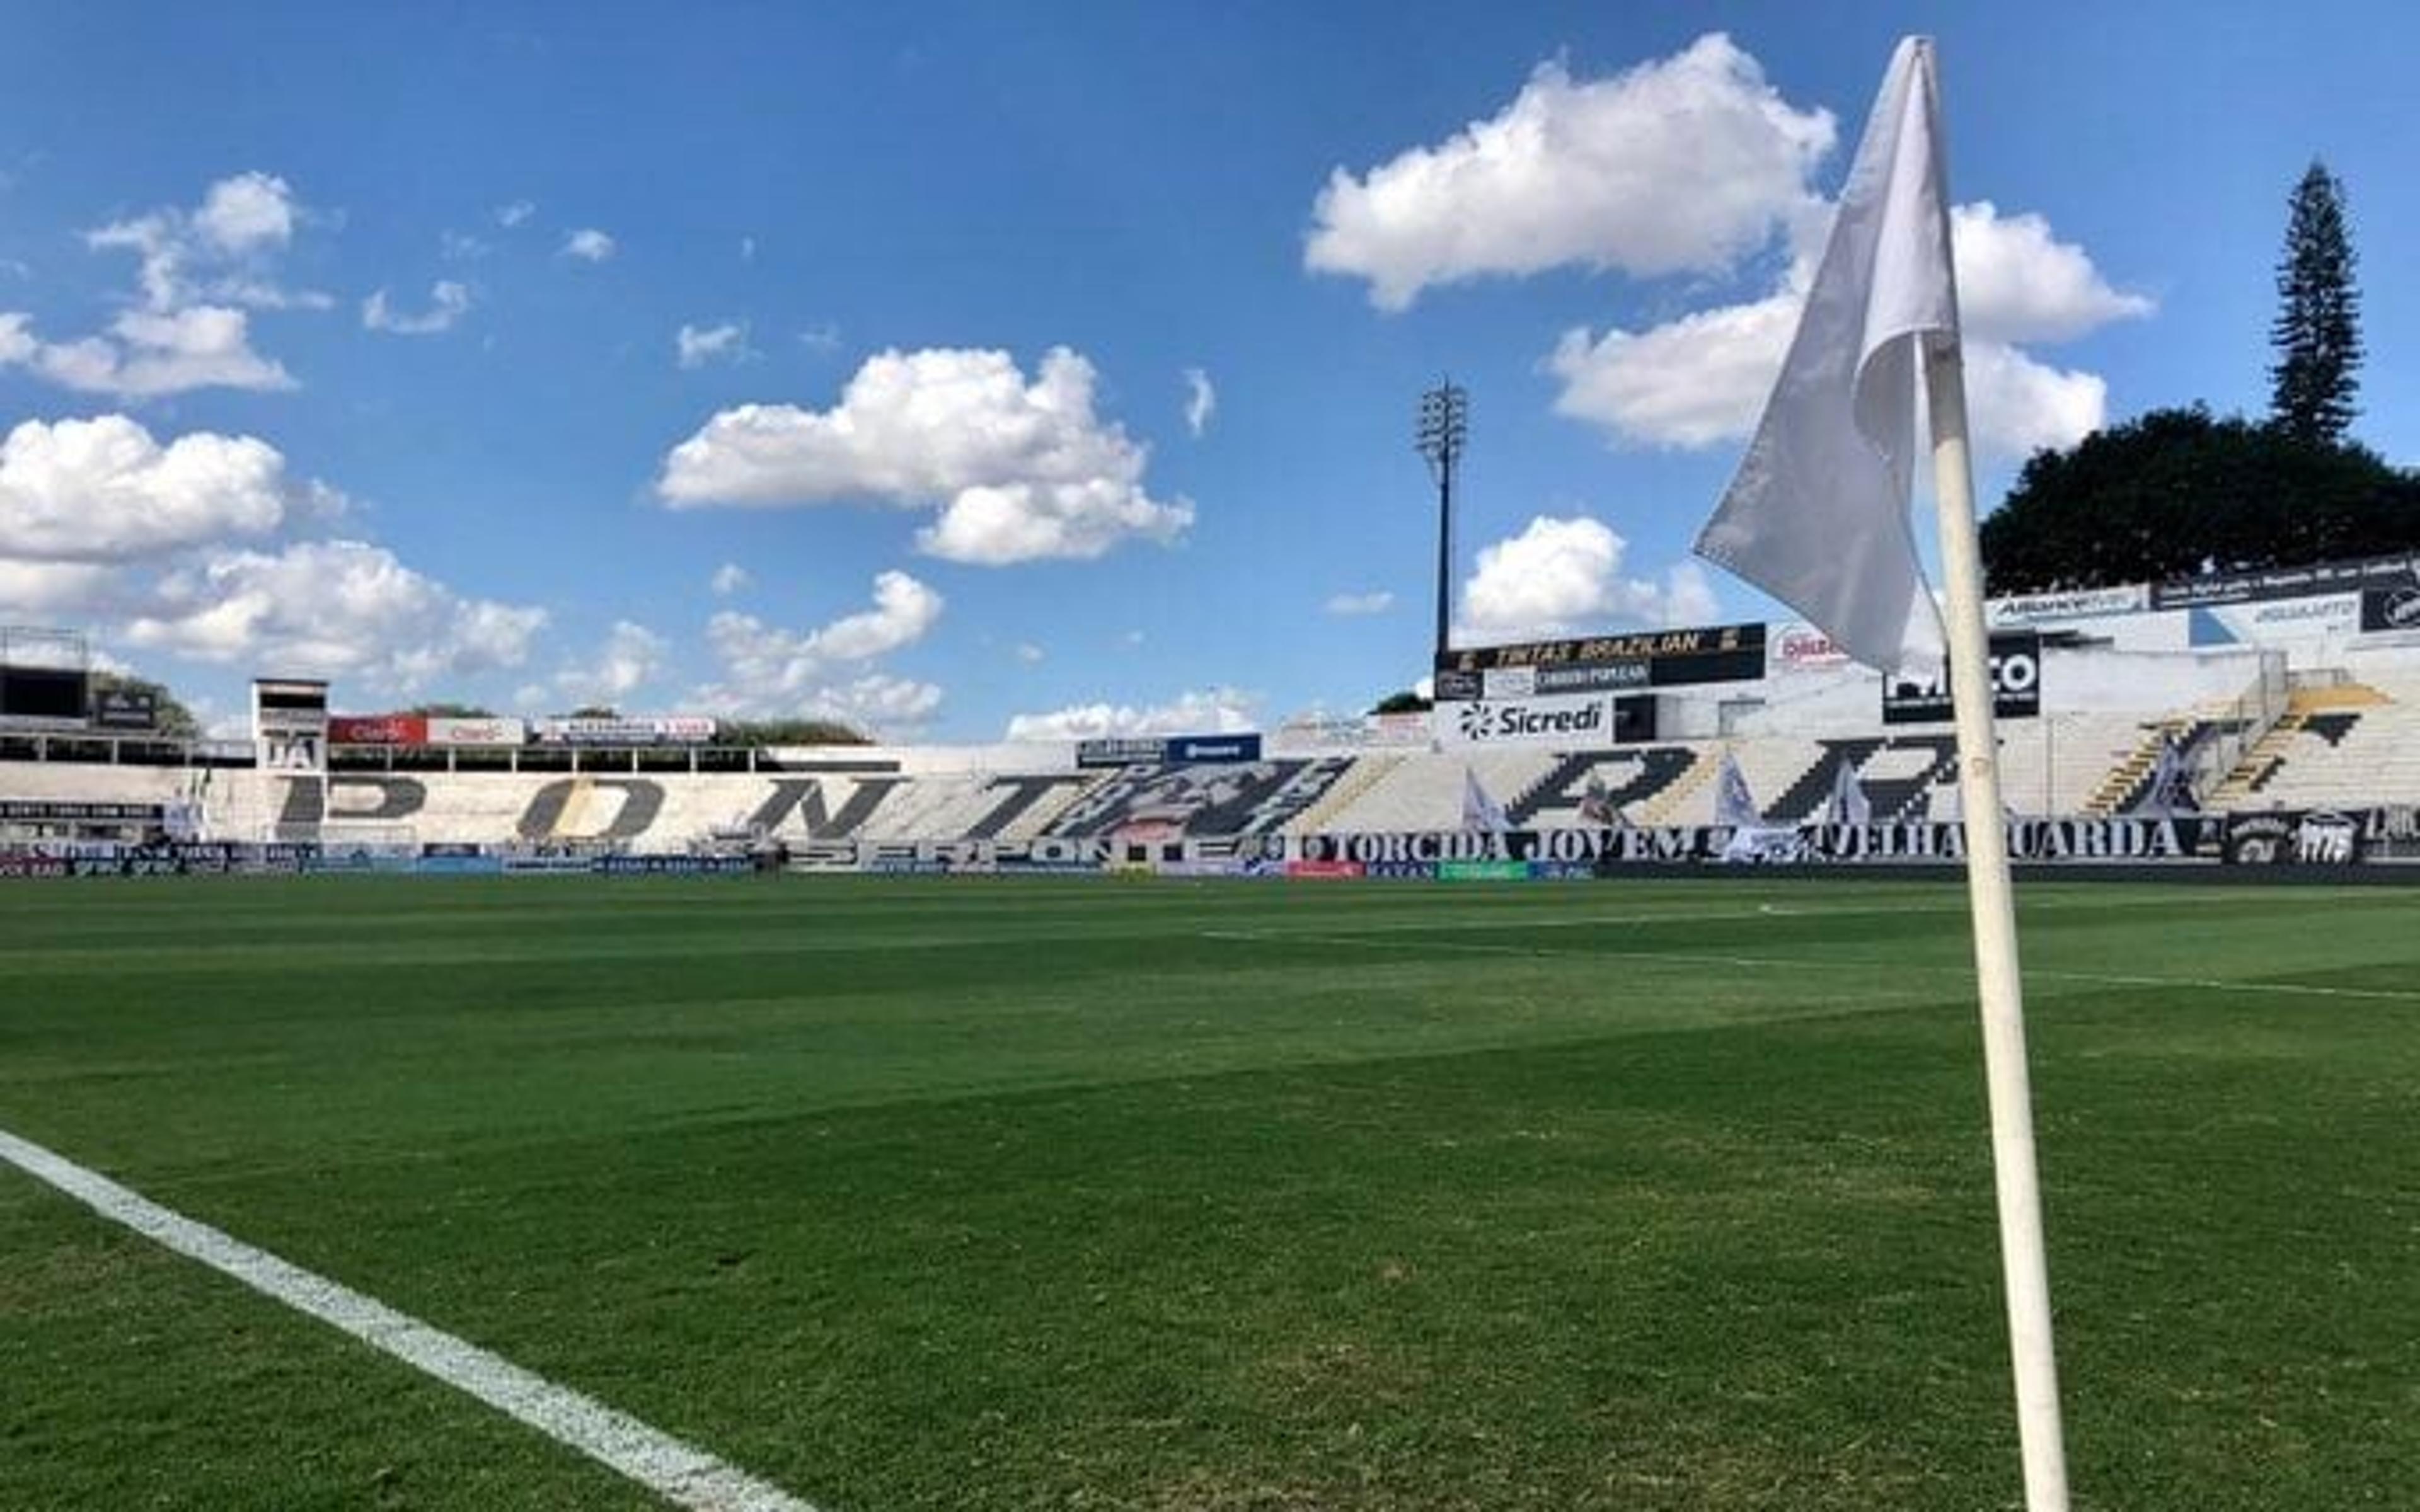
(1817, 515)
(1849, 804)
(1480, 812)
(1734, 806)
(2169, 788)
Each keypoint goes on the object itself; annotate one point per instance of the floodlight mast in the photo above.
(1443, 431)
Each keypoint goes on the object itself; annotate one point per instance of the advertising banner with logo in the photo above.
(2389, 611)
(2016, 686)
(1205, 749)
(120, 708)
(1580, 722)
(2313, 581)
(1656, 659)
(479, 731)
(1122, 750)
(2027, 610)
(1803, 648)
(2316, 837)
(378, 729)
(666, 730)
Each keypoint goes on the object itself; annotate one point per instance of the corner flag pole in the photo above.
(2025, 1271)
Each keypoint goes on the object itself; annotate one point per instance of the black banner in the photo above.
(2016, 686)
(2383, 573)
(2316, 837)
(122, 708)
(1652, 659)
(2384, 609)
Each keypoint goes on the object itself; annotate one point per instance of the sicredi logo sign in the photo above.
(1486, 723)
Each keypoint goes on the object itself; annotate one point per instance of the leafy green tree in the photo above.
(2175, 492)
(1407, 701)
(789, 733)
(2317, 331)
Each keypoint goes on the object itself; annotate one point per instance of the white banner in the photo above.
(1579, 723)
(488, 731)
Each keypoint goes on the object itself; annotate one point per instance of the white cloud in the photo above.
(696, 345)
(461, 247)
(1685, 164)
(222, 251)
(630, 660)
(768, 669)
(1703, 379)
(1347, 606)
(1561, 577)
(335, 609)
(515, 214)
(1207, 711)
(1020, 471)
(103, 490)
(1200, 401)
(448, 301)
(148, 354)
(588, 244)
(246, 213)
(200, 272)
(822, 338)
(728, 579)
(2017, 283)
(42, 589)
(1030, 653)
(748, 249)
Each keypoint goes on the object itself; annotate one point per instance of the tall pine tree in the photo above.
(2317, 331)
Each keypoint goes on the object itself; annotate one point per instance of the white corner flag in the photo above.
(1480, 812)
(1817, 515)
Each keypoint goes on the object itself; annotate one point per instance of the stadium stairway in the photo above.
(2327, 714)
(1661, 809)
(1367, 773)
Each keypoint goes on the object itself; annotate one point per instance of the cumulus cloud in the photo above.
(1205, 711)
(1564, 576)
(1348, 606)
(588, 244)
(728, 579)
(1030, 653)
(334, 608)
(1200, 401)
(448, 301)
(630, 660)
(768, 668)
(1685, 164)
(147, 354)
(1701, 380)
(200, 272)
(222, 251)
(1019, 470)
(696, 345)
(104, 491)
(515, 214)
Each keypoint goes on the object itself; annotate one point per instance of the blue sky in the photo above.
(767, 358)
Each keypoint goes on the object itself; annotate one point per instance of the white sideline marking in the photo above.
(2216, 984)
(680, 1474)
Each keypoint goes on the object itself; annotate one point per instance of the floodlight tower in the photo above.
(1443, 430)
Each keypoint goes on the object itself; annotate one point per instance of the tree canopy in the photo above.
(762, 733)
(1407, 701)
(2316, 335)
(2175, 492)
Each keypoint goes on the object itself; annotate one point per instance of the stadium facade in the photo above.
(2251, 717)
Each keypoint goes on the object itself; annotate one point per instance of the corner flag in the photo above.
(1817, 515)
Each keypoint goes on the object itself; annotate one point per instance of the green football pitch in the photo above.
(974, 1194)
